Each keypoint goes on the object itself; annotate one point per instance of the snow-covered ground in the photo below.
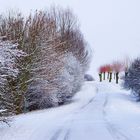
(100, 111)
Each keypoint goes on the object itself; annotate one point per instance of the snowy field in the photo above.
(100, 111)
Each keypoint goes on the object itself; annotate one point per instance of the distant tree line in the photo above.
(53, 60)
(130, 77)
(113, 70)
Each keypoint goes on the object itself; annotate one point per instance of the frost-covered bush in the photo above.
(4, 116)
(56, 83)
(88, 77)
(132, 79)
(71, 78)
(9, 58)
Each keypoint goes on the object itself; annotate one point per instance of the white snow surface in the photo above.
(100, 111)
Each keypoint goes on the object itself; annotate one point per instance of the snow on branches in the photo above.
(57, 59)
(132, 79)
(9, 57)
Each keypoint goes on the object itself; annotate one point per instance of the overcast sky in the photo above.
(111, 27)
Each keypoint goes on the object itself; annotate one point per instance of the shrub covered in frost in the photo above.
(88, 77)
(9, 58)
(132, 79)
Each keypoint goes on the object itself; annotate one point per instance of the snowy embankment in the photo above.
(100, 111)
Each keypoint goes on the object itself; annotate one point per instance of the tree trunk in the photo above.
(108, 75)
(104, 75)
(100, 77)
(110, 78)
(114, 76)
(117, 78)
(126, 73)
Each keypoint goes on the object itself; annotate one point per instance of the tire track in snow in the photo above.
(113, 130)
(67, 134)
(89, 102)
(64, 132)
(56, 135)
(59, 132)
(116, 134)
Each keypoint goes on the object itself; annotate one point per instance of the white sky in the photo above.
(111, 27)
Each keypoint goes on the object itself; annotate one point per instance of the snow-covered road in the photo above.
(101, 111)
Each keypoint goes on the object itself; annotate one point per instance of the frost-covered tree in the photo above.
(132, 80)
(60, 64)
(126, 63)
(57, 57)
